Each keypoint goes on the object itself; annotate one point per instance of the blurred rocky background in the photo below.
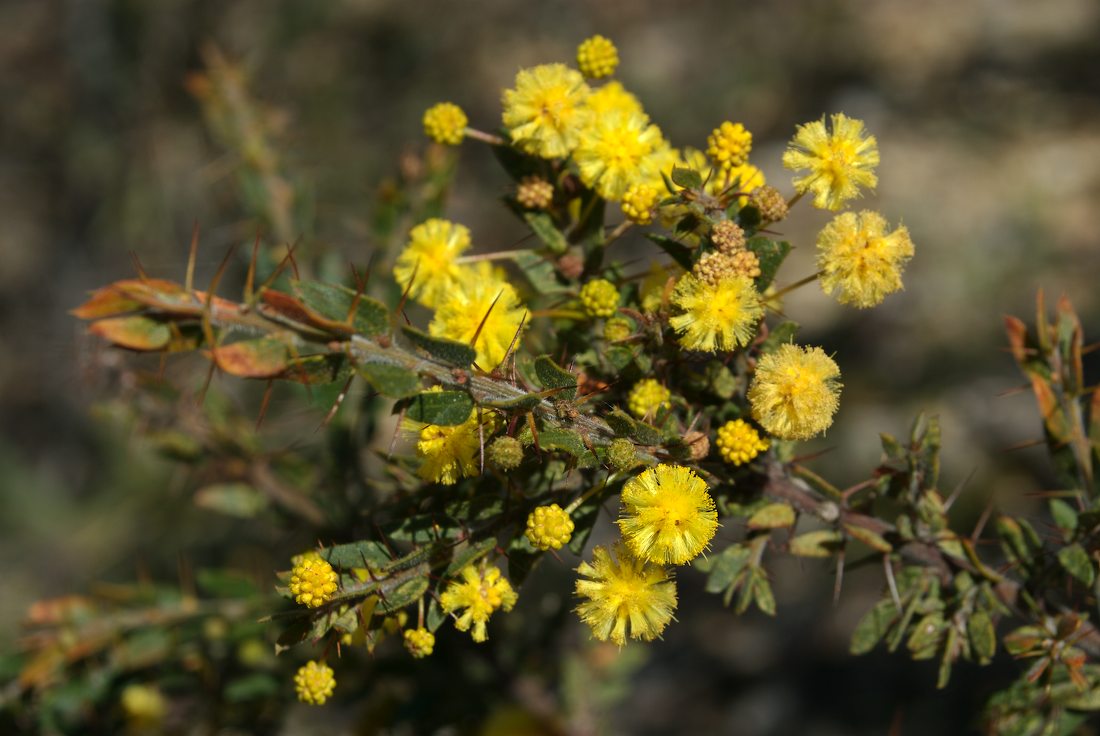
(988, 119)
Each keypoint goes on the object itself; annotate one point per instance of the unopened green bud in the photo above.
(617, 328)
(505, 453)
(621, 454)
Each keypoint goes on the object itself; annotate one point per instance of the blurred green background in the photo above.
(988, 120)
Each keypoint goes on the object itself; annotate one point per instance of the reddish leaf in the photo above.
(262, 358)
(106, 302)
(135, 333)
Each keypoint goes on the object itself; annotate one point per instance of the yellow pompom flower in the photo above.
(715, 316)
(445, 123)
(860, 260)
(597, 57)
(616, 151)
(144, 705)
(728, 145)
(668, 517)
(450, 453)
(481, 304)
(545, 112)
(313, 582)
(600, 298)
(624, 596)
(432, 252)
(638, 203)
(314, 683)
(480, 593)
(614, 98)
(419, 642)
(738, 442)
(647, 397)
(795, 392)
(549, 527)
(840, 161)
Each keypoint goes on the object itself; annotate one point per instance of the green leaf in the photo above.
(390, 380)
(873, 627)
(551, 375)
(1076, 561)
(772, 516)
(771, 254)
(404, 594)
(762, 591)
(823, 543)
(540, 273)
(567, 440)
(725, 567)
(232, 499)
(679, 252)
(925, 636)
(868, 537)
(265, 357)
(470, 554)
(1065, 517)
(449, 351)
(250, 687)
(134, 333)
(543, 226)
(442, 408)
(983, 636)
(687, 178)
(318, 369)
(366, 553)
(334, 302)
(781, 334)
(526, 402)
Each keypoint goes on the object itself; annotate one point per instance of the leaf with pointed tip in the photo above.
(441, 408)
(470, 554)
(542, 225)
(404, 594)
(551, 375)
(822, 543)
(232, 499)
(569, 441)
(771, 254)
(366, 553)
(772, 516)
(687, 178)
(873, 627)
(264, 357)
(449, 351)
(390, 380)
(106, 302)
(321, 368)
(133, 333)
(1076, 561)
(679, 252)
(335, 303)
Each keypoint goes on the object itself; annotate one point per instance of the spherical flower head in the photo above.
(715, 317)
(597, 57)
(479, 593)
(771, 204)
(545, 112)
(485, 306)
(746, 263)
(613, 98)
(549, 527)
(431, 253)
(617, 328)
(314, 683)
(599, 298)
(505, 453)
(624, 596)
(449, 453)
(535, 193)
(738, 442)
(727, 236)
(840, 162)
(728, 145)
(445, 123)
(143, 705)
(621, 454)
(616, 151)
(638, 203)
(860, 260)
(313, 582)
(795, 392)
(419, 642)
(647, 396)
(667, 517)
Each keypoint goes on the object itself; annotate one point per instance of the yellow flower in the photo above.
(653, 287)
(647, 397)
(432, 251)
(744, 178)
(480, 593)
(449, 453)
(313, 582)
(445, 123)
(616, 151)
(738, 442)
(795, 392)
(314, 683)
(481, 304)
(624, 596)
(668, 517)
(840, 162)
(546, 110)
(419, 642)
(549, 527)
(858, 258)
(638, 203)
(714, 317)
(728, 145)
(597, 57)
(144, 705)
(535, 193)
(614, 98)
(600, 298)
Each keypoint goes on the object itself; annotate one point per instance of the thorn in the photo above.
(370, 267)
(1023, 445)
(958, 491)
(189, 280)
(481, 441)
(980, 526)
(336, 404)
(206, 383)
(405, 294)
(268, 391)
(511, 346)
(279, 269)
(477, 332)
(839, 577)
(290, 257)
(889, 569)
(138, 267)
(359, 286)
(207, 324)
(250, 278)
(396, 431)
(1013, 391)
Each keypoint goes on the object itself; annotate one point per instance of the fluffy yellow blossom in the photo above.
(313, 582)
(545, 112)
(638, 203)
(616, 151)
(449, 453)
(445, 123)
(432, 252)
(738, 442)
(481, 304)
(840, 162)
(715, 317)
(144, 705)
(668, 517)
(795, 392)
(419, 642)
(614, 98)
(549, 527)
(314, 683)
(647, 396)
(860, 260)
(728, 145)
(597, 57)
(624, 596)
(480, 593)
(600, 298)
